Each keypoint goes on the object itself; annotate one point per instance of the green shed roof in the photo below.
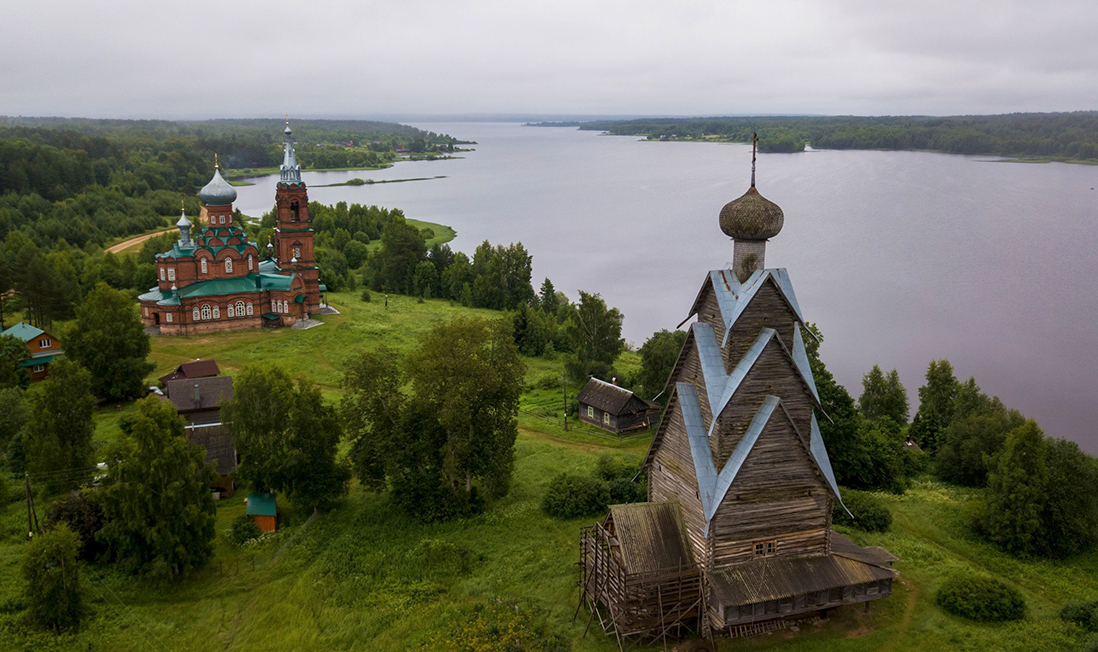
(24, 331)
(262, 505)
(43, 359)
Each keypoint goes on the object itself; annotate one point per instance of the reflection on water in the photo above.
(900, 257)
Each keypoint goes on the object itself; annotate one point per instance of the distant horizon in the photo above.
(522, 117)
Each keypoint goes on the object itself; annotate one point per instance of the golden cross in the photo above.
(754, 143)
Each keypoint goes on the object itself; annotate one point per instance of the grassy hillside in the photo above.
(366, 577)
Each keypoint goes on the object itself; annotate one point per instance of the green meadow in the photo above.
(367, 577)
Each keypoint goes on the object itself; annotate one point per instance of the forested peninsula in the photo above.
(1050, 136)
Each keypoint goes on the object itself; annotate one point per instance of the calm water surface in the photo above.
(900, 257)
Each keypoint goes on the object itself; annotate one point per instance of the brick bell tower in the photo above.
(293, 237)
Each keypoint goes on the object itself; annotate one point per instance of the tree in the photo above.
(883, 396)
(548, 300)
(658, 355)
(1012, 515)
(81, 513)
(594, 334)
(972, 441)
(110, 341)
(156, 498)
(51, 580)
(14, 355)
(936, 399)
(453, 438)
(57, 439)
(286, 436)
(533, 330)
(840, 432)
(392, 265)
(13, 415)
(1069, 516)
(356, 253)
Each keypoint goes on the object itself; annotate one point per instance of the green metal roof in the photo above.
(275, 281)
(43, 359)
(24, 331)
(219, 286)
(299, 298)
(262, 505)
(270, 316)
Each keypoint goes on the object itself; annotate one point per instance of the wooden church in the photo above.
(736, 538)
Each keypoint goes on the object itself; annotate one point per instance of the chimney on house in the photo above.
(197, 396)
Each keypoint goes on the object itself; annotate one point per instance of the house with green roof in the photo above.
(213, 280)
(44, 348)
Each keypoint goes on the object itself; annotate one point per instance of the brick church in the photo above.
(213, 280)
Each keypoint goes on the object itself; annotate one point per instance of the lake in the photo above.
(899, 257)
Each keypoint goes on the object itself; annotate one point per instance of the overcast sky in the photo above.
(366, 58)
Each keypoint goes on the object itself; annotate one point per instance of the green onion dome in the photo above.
(217, 192)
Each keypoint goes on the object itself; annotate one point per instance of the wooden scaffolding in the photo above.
(638, 606)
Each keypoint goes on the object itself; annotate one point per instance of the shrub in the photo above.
(1083, 614)
(244, 530)
(366, 296)
(84, 516)
(609, 468)
(624, 490)
(869, 512)
(572, 496)
(51, 576)
(981, 598)
(444, 556)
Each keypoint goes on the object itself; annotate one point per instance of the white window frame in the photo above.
(171, 273)
(250, 261)
(195, 316)
(146, 309)
(606, 418)
(38, 368)
(590, 412)
(274, 306)
(163, 274)
(203, 264)
(222, 219)
(229, 310)
(168, 317)
(44, 343)
(249, 308)
(217, 312)
(228, 265)
(206, 312)
(239, 308)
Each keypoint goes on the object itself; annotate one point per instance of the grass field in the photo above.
(366, 577)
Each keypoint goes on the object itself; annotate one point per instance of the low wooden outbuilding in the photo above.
(196, 369)
(264, 511)
(613, 408)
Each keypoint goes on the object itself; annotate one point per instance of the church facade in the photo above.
(213, 280)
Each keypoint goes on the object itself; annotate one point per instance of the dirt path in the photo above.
(904, 626)
(126, 244)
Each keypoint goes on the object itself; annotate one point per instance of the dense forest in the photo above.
(69, 187)
(1067, 136)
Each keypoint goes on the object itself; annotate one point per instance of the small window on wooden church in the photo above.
(770, 547)
(203, 265)
(171, 273)
(590, 412)
(228, 265)
(760, 549)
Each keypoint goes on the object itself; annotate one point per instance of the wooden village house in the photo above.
(199, 401)
(44, 348)
(195, 369)
(607, 406)
(213, 280)
(736, 535)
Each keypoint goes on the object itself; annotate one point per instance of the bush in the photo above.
(572, 496)
(981, 598)
(366, 296)
(1083, 614)
(84, 516)
(869, 512)
(624, 490)
(443, 556)
(609, 468)
(244, 530)
(51, 580)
